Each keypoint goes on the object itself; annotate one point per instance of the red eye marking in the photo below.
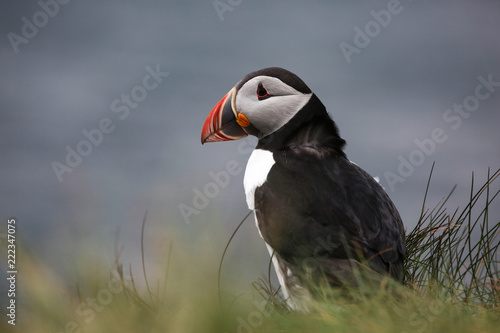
(262, 92)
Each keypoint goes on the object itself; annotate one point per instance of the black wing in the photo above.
(321, 206)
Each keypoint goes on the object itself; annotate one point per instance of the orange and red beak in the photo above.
(221, 124)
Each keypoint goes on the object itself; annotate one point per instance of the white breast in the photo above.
(258, 166)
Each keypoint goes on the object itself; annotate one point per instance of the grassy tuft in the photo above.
(456, 253)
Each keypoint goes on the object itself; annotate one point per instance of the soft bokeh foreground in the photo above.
(452, 285)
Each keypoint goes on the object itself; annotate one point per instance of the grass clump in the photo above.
(457, 252)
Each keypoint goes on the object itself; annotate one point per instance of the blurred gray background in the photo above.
(67, 69)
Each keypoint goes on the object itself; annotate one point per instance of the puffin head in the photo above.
(260, 104)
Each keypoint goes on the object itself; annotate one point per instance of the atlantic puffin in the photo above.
(322, 217)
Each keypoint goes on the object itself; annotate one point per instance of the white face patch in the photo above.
(269, 115)
(258, 166)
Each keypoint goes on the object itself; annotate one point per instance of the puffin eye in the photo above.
(262, 92)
